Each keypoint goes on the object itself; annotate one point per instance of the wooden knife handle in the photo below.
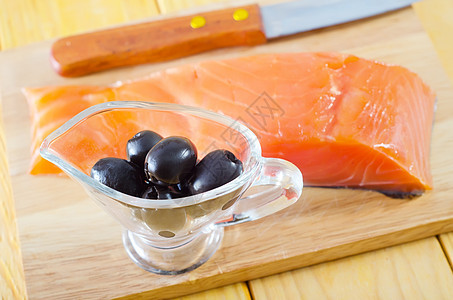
(157, 41)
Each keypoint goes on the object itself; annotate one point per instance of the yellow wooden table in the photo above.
(416, 270)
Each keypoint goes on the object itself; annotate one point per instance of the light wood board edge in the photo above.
(238, 291)
(12, 278)
(446, 240)
(399, 272)
(296, 262)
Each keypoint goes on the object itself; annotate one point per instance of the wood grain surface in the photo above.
(12, 280)
(436, 17)
(446, 241)
(399, 272)
(26, 21)
(66, 238)
(30, 208)
(238, 291)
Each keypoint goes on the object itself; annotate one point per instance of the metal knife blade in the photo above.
(293, 17)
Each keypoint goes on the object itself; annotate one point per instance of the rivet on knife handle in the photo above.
(157, 41)
(197, 22)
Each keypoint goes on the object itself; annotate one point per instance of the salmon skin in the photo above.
(343, 120)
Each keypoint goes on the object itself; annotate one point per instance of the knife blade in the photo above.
(293, 17)
(172, 38)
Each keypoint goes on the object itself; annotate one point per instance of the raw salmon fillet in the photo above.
(343, 120)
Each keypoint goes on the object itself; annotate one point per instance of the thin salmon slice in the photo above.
(343, 120)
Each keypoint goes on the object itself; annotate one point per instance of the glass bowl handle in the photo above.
(278, 185)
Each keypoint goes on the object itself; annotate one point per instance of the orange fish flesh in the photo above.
(343, 120)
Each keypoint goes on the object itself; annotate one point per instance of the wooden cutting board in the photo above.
(72, 249)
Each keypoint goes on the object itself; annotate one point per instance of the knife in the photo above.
(173, 38)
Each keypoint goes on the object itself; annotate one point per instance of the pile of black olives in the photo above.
(165, 168)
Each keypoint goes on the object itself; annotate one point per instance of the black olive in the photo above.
(171, 160)
(215, 169)
(119, 174)
(140, 144)
(156, 182)
(168, 193)
(150, 192)
(165, 192)
(182, 188)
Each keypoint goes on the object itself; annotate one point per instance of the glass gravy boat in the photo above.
(177, 235)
